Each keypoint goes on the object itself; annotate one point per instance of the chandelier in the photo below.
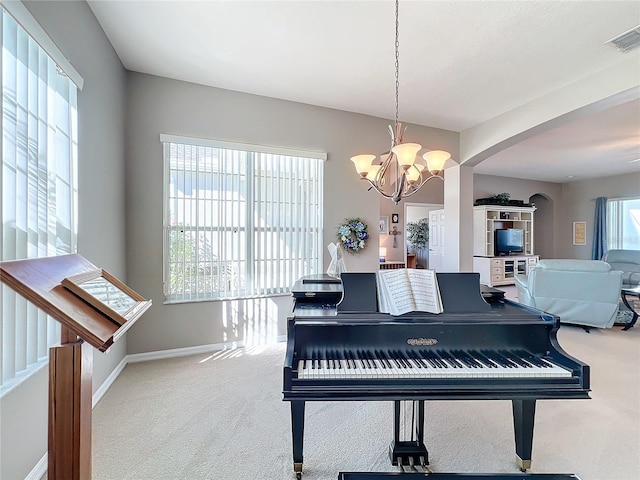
(398, 173)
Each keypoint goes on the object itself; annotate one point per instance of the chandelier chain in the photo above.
(397, 174)
(397, 61)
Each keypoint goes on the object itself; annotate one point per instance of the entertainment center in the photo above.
(502, 243)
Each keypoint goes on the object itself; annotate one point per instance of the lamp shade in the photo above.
(413, 174)
(436, 159)
(373, 172)
(383, 252)
(363, 163)
(406, 153)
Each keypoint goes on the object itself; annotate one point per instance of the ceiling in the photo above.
(461, 64)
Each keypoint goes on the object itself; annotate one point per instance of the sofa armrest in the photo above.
(522, 286)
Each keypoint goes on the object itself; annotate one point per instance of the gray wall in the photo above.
(579, 205)
(101, 113)
(109, 203)
(558, 206)
(158, 105)
(549, 204)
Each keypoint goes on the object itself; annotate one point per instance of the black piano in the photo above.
(340, 348)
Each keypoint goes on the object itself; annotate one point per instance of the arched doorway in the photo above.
(543, 226)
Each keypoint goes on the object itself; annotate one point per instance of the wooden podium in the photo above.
(94, 309)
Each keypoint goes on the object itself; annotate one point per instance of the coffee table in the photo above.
(630, 292)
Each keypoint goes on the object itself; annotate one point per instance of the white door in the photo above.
(414, 212)
(436, 239)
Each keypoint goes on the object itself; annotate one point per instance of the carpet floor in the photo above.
(221, 416)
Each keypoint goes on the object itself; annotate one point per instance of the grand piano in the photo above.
(340, 348)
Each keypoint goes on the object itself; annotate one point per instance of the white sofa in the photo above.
(580, 292)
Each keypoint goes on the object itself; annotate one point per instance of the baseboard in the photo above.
(40, 470)
(182, 352)
(108, 381)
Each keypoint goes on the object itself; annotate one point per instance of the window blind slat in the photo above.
(252, 217)
(39, 149)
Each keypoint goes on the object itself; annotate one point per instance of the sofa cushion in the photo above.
(572, 265)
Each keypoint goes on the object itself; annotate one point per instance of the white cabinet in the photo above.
(488, 218)
(501, 270)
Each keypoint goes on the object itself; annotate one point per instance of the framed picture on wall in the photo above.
(579, 233)
(394, 218)
(384, 225)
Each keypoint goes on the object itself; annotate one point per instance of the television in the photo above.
(508, 240)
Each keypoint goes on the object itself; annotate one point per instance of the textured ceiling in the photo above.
(461, 63)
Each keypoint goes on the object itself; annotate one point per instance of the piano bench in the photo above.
(454, 476)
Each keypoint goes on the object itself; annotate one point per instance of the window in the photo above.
(623, 223)
(39, 152)
(240, 220)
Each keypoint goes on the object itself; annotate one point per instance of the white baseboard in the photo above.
(40, 470)
(182, 352)
(108, 381)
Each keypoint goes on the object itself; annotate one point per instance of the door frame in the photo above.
(407, 205)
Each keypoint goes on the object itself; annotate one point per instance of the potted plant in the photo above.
(418, 235)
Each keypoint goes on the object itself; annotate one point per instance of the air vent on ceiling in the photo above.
(628, 40)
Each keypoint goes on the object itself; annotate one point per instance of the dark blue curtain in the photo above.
(599, 229)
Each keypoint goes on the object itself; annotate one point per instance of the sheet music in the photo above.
(407, 290)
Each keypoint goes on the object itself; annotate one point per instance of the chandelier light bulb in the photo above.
(413, 174)
(373, 172)
(436, 160)
(406, 153)
(363, 163)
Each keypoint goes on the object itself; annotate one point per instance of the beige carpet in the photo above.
(222, 417)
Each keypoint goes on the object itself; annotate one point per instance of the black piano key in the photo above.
(450, 359)
(394, 359)
(416, 359)
(483, 359)
(383, 359)
(371, 358)
(516, 358)
(365, 359)
(336, 357)
(430, 358)
(496, 358)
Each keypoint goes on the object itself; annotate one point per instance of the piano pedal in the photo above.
(297, 469)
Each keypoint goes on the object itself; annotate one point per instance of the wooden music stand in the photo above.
(40, 281)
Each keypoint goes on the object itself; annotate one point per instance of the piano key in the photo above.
(399, 364)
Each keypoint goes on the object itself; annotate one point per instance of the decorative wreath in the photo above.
(353, 235)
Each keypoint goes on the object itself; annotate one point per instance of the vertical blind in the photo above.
(239, 221)
(623, 223)
(39, 192)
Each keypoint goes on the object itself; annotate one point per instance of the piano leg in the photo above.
(523, 417)
(297, 431)
(411, 451)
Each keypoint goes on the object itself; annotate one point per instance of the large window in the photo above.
(623, 223)
(240, 220)
(38, 177)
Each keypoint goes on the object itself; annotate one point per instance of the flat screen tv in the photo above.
(508, 240)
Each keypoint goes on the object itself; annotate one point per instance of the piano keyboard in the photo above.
(399, 364)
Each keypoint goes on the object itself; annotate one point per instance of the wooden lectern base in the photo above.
(70, 398)
(84, 324)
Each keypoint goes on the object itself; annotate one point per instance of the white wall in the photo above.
(101, 109)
